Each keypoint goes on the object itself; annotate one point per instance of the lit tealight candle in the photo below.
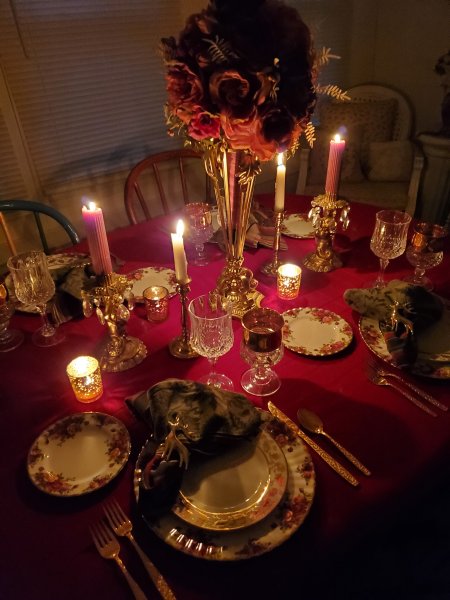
(280, 184)
(179, 254)
(288, 281)
(85, 378)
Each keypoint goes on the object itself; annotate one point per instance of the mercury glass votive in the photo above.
(288, 281)
(156, 300)
(85, 378)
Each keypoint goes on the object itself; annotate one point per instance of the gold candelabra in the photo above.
(326, 213)
(106, 298)
(180, 347)
(271, 268)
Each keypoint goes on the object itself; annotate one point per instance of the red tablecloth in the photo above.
(46, 548)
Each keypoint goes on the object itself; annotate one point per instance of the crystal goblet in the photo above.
(212, 334)
(425, 251)
(261, 347)
(389, 239)
(199, 229)
(33, 285)
(9, 338)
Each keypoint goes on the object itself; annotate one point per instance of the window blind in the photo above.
(87, 82)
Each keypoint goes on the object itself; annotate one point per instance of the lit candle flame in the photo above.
(180, 228)
(337, 138)
(91, 205)
(280, 158)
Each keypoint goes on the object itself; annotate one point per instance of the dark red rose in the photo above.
(233, 92)
(183, 86)
(204, 125)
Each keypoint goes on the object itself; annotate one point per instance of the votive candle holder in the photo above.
(156, 299)
(85, 377)
(288, 281)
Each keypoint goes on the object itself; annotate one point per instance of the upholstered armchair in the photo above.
(381, 163)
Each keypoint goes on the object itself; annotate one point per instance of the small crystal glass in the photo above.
(199, 229)
(33, 285)
(9, 338)
(389, 239)
(85, 377)
(288, 281)
(425, 251)
(261, 347)
(212, 334)
(156, 299)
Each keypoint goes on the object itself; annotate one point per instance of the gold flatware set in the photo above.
(108, 546)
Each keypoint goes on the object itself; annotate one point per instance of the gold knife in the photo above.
(334, 464)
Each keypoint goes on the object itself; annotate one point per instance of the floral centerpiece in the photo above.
(242, 85)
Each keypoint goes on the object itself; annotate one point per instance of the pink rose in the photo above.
(243, 134)
(204, 125)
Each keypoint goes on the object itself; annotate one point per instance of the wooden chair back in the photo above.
(137, 199)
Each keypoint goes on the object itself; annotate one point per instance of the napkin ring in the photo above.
(173, 442)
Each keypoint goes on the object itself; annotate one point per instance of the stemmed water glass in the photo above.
(212, 334)
(199, 229)
(9, 338)
(389, 239)
(424, 251)
(33, 285)
(261, 347)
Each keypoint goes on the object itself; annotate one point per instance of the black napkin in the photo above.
(403, 310)
(183, 417)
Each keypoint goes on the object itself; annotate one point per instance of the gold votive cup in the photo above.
(262, 329)
(288, 281)
(85, 377)
(156, 300)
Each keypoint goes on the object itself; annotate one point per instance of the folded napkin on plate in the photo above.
(184, 417)
(69, 281)
(260, 230)
(403, 310)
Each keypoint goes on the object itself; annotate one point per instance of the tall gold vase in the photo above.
(233, 178)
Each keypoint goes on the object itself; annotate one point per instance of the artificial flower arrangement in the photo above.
(244, 73)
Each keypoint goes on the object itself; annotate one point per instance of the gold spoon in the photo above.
(313, 423)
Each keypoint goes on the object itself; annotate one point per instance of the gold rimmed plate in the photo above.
(235, 489)
(78, 454)
(152, 276)
(297, 225)
(315, 331)
(256, 539)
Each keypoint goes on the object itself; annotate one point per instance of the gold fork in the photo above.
(122, 526)
(108, 547)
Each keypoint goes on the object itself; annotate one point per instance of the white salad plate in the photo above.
(78, 454)
(315, 331)
(152, 276)
(258, 472)
(258, 538)
(297, 225)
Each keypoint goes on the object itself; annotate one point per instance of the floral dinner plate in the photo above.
(261, 537)
(315, 331)
(433, 345)
(297, 225)
(259, 472)
(78, 454)
(150, 276)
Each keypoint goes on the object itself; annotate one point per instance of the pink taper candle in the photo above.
(97, 240)
(337, 147)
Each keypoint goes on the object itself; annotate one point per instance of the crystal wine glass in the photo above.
(425, 251)
(9, 338)
(261, 347)
(33, 284)
(200, 229)
(389, 239)
(212, 334)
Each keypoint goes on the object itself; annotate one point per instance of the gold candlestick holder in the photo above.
(271, 268)
(180, 347)
(326, 213)
(106, 298)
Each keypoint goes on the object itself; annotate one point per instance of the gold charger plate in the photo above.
(256, 539)
(235, 489)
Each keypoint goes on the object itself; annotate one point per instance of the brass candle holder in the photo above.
(271, 268)
(120, 352)
(326, 213)
(180, 347)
